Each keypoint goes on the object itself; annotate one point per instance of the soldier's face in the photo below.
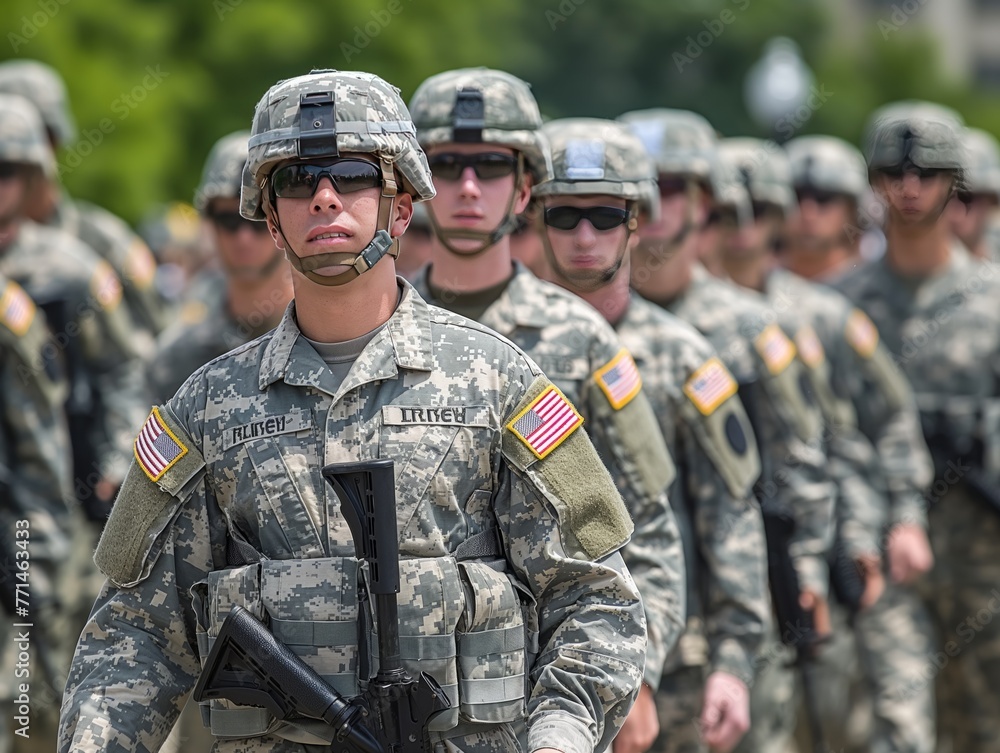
(968, 216)
(470, 202)
(13, 191)
(821, 219)
(245, 248)
(584, 257)
(914, 199)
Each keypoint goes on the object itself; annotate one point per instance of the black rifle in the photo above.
(795, 625)
(249, 666)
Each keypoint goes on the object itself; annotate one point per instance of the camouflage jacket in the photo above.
(863, 376)
(579, 351)
(943, 333)
(745, 333)
(703, 422)
(56, 267)
(239, 453)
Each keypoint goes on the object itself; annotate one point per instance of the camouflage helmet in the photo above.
(681, 142)
(729, 194)
(22, 135)
(223, 170)
(44, 87)
(923, 134)
(983, 173)
(481, 105)
(593, 156)
(343, 111)
(763, 169)
(829, 164)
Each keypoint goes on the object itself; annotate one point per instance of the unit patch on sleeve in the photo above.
(775, 348)
(157, 448)
(546, 422)
(105, 286)
(810, 348)
(16, 309)
(861, 333)
(619, 379)
(710, 386)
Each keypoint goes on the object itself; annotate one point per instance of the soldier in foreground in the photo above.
(251, 298)
(487, 454)
(481, 131)
(935, 307)
(704, 691)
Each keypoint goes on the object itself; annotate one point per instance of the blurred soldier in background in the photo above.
(251, 297)
(703, 694)
(971, 211)
(894, 636)
(178, 240)
(742, 328)
(480, 129)
(936, 311)
(108, 235)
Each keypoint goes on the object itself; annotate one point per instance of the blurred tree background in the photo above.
(153, 84)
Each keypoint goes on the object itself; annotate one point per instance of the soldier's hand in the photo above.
(725, 717)
(909, 553)
(814, 603)
(870, 567)
(641, 726)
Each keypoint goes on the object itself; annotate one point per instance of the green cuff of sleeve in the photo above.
(560, 731)
(813, 574)
(908, 508)
(729, 656)
(858, 540)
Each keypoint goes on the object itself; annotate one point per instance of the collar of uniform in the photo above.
(636, 317)
(408, 331)
(521, 305)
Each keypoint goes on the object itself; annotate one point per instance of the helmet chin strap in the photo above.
(380, 245)
(550, 254)
(486, 239)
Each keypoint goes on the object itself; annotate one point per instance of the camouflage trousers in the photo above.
(678, 707)
(964, 597)
(772, 701)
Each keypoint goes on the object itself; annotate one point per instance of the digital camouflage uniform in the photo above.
(574, 346)
(707, 433)
(982, 178)
(108, 235)
(239, 455)
(942, 333)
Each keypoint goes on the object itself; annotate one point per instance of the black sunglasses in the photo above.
(231, 222)
(671, 185)
(723, 218)
(299, 180)
(10, 170)
(817, 195)
(487, 165)
(601, 218)
(924, 173)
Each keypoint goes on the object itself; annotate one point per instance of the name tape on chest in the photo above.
(157, 449)
(861, 333)
(442, 415)
(546, 422)
(17, 310)
(265, 426)
(710, 386)
(810, 348)
(619, 379)
(774, 347)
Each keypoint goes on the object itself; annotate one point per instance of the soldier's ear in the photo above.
(402, 213)
(522, 193)
(272, 228)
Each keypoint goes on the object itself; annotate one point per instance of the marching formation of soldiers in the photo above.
(696, 440)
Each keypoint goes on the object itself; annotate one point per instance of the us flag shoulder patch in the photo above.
(619, 379)
(17, 310)
(710, 386)
(546, 423)
(105, 286)
(861, 333)
(157, 448)
(775, 348)
(810, 348)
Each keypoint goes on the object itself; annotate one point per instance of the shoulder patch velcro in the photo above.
(775, 349)
(710, 386)
(105, 286)
(619, 379)
(575, 481)
(810, 348)
(546, 422)
(17, 310)
(861, 333)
